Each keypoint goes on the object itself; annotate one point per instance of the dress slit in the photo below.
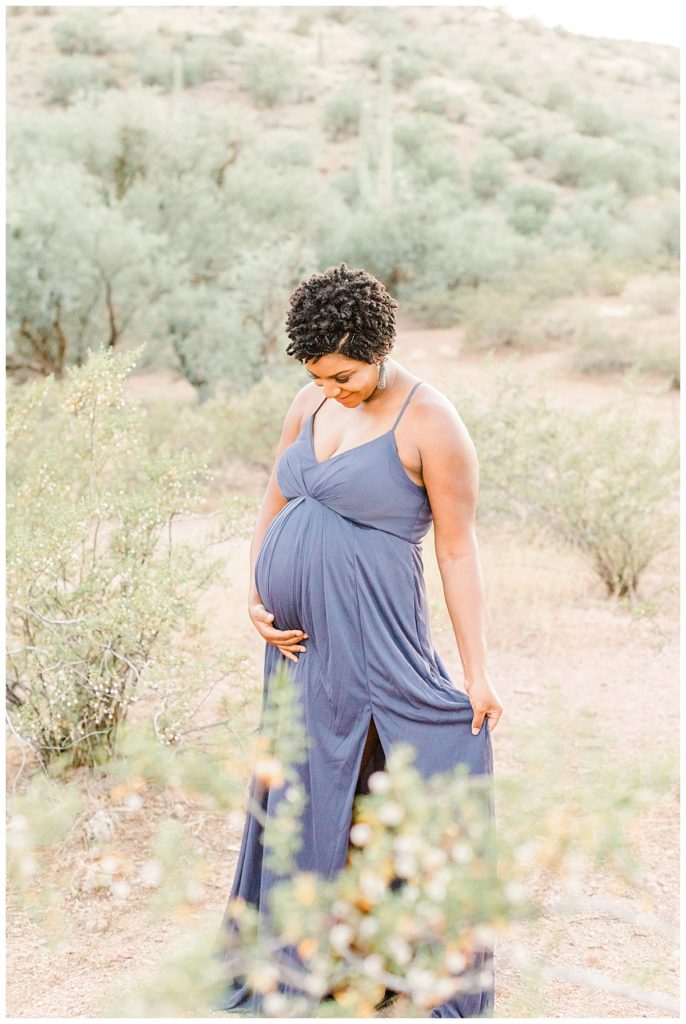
(373, 758)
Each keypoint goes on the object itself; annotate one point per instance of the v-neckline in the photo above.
(337, 455)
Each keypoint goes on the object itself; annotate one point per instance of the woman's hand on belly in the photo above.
(288, 641)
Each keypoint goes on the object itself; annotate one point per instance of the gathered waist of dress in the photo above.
(292, 503)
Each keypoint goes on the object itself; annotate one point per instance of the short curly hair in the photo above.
(341, 310)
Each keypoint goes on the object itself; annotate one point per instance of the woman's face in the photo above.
(347, 380)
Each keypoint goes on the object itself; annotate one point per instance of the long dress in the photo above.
(342, 561)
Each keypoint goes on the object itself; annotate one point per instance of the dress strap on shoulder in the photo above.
(404, 405)
(313, 414)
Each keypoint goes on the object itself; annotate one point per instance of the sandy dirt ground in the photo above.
(549, 626)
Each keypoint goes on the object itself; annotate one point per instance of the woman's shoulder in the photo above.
(432, 404)
(435, 415)
(304, 402)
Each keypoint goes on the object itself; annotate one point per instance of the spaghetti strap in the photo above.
(404, 405)
(313, 414)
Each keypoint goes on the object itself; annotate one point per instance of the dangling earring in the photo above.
(382, 374)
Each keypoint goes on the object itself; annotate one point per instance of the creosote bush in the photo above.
(604, 483)
(100, 595)
(269, 75)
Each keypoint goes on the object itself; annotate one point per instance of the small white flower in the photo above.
(369, 926)
(436, 888)
(379, 782)
(372, 885)
(264, 977)
(275, 1004)
(434, 857)
(340, 936)
(120, 889)
(361, 833)
(151, 873)
(372, 964)
(28, 865)
(399, 949)
(462, 852)
(194, 891)
(391, 813)
(515, 892)
(340, 908)
(404, 866)
(455, 961)
(407, 844)
(484, 934)
(446, 987)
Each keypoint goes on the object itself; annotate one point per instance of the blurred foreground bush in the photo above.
(566, 812)
(564, 818)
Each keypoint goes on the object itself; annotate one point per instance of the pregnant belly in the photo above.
(282, 564)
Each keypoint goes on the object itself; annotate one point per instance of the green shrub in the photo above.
(661, 358)
(581, 163)
(234, 330)
(80, 274)
(342, 112)
(591, 118)
(65, 79)
(83, 31)
(422, 241)
(590, 215)
(502, 127)
(599, 351)
(302, 26)
(97, 593)
(425, 150)
(236, 421)
(431, 99)
(528, 144)
(200, 62)
(488, 170)
(557, 94)
(569, 160)
(503, 78)
(234, 35)
(269, 75)
(649, 235)
(604, 482)
(342, 15)
(408, 65)
(527, 207)
(493, 317)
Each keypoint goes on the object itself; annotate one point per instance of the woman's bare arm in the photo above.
(451, 476)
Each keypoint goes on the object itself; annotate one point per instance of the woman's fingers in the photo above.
(286, 654)
(284, 636)
(287, 651)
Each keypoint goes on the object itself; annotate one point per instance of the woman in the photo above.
(368, 457)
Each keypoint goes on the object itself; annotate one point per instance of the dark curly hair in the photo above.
(341, 310)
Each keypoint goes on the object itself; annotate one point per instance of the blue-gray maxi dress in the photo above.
(342, 560)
